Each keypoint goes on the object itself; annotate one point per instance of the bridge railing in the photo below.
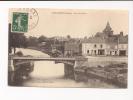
(47, 58)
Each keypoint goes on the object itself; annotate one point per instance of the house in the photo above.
(94, 46)
(123, 46)
(106, 43)
(72, 48)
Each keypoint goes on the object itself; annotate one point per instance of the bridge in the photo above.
(66, 60)
(69, 63)
(48, 59)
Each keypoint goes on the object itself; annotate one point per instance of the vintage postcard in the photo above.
(77, 48)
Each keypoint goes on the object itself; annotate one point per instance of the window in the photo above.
(101, 46)
(88, 51)
(95, 51)
(110, 52)
(95, 45)
(115, 52)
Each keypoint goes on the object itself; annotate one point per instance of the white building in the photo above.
(95, 46)
(123, 46)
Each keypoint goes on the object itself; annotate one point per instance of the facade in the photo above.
(123, 46)
(94, 46)
(106, 43)
(72, 48)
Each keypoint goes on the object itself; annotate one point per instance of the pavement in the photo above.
(94, 61)
(108, 58)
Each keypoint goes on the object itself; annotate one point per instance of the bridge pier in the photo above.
(69, 71)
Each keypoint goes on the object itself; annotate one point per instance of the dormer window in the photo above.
(88, 51)
(95, 46)
(101, 46)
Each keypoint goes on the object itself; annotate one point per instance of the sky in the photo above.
(78, 23)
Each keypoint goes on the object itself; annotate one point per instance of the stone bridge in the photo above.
(69, 63)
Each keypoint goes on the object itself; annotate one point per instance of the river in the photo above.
(49, 74)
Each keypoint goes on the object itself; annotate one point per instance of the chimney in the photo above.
(121, 33)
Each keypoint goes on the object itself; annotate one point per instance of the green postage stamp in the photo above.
(19, 22)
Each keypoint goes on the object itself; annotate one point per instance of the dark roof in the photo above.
(101, 40)
(123, 40)
(110, 40)
(94, 40)
(72, 45)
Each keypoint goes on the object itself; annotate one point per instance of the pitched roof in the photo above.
(123, 40)
(112, 40)
(72, 45)
(95, 40)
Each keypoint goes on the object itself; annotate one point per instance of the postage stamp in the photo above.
(20, 22)
(24, 20)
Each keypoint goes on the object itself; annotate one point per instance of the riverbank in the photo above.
(115, 74)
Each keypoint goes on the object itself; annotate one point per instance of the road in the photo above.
(108, 58)
(94, 61)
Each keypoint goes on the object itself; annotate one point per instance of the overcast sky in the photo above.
(78, 23)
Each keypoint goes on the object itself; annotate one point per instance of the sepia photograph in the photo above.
(68, 48)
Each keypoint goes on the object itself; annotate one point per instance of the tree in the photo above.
(68, 37)
(85, 37)
(42, 39)
(16, 40)
(32, 41)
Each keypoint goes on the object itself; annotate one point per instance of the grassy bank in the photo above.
(115, 74)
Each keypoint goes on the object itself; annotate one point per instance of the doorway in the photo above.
(101, 52)
(122, 53)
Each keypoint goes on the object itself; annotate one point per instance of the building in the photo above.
(72, 48)
(106, 43)
(94, 46)
(123, 46)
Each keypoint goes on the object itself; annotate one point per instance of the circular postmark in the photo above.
(33, 17)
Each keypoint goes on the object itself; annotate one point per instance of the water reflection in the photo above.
(47, 69)
(49, 74)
